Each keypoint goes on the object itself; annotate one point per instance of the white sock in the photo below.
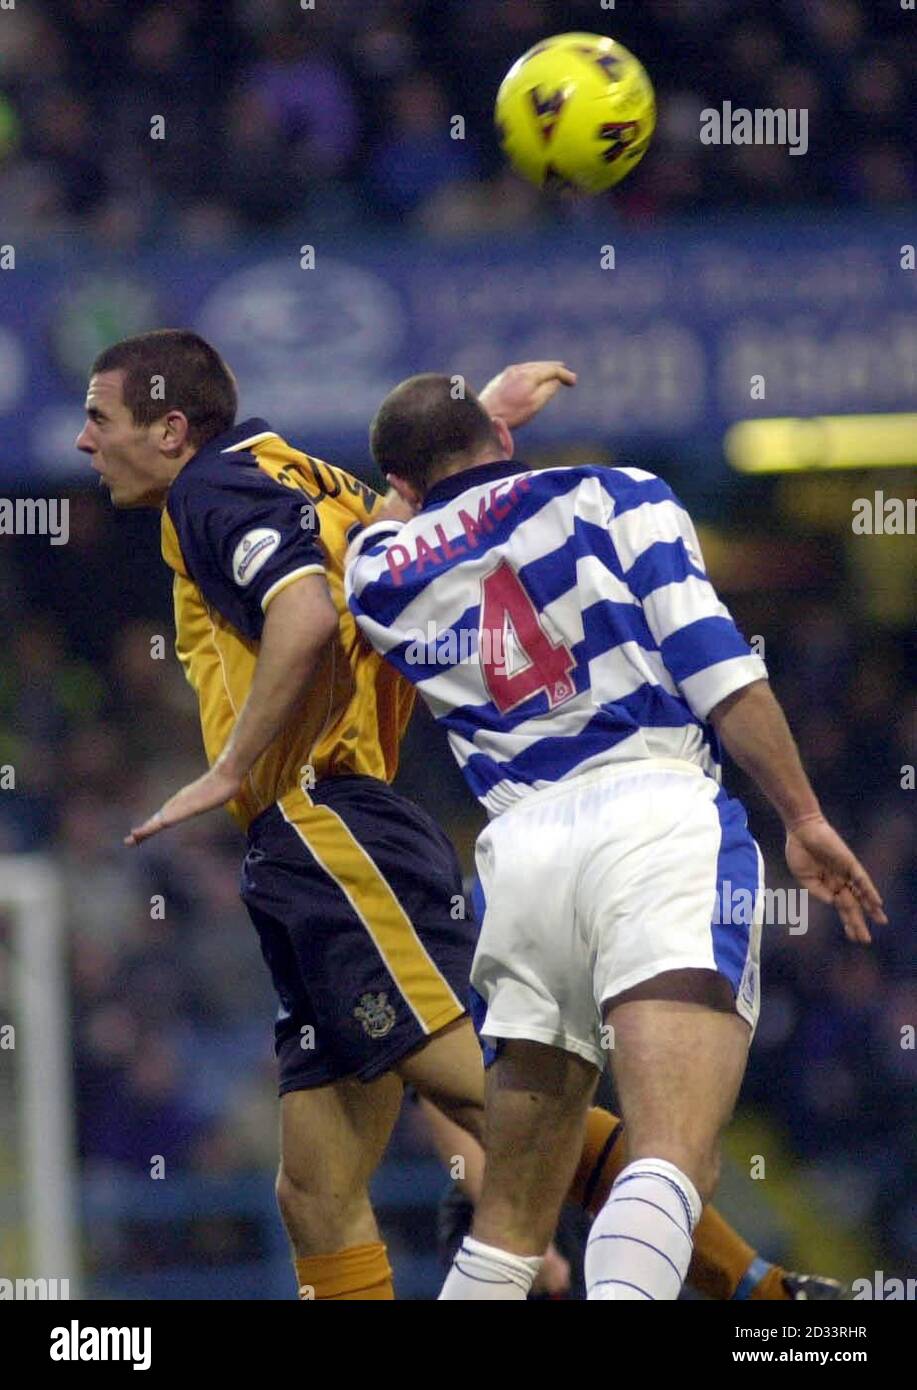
(486, 1274)
(641, 1241)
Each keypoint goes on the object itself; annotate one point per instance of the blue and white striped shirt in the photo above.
(554, 621)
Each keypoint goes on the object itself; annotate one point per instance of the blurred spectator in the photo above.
(418, 154)
(254, 164)
(306, 96)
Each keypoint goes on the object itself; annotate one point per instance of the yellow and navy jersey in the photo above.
(245, 517)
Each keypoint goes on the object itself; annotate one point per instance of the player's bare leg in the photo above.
(448, 1072)
(537, 1101)
(449, 1075)
(723, 1266)
(331, 1141)
(678, 1059)
(463, 1157)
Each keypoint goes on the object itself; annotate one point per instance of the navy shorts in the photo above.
(356, 895)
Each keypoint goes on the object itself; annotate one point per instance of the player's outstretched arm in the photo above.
(524, 388)
(299, 622)
(753, 729)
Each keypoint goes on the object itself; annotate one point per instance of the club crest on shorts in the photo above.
(376, 1014)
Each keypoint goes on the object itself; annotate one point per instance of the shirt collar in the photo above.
(456, 483)
(244, 433)
(230, 440)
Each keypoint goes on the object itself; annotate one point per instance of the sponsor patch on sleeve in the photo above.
(253, 551)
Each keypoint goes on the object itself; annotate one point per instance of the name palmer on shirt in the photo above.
(434, 547)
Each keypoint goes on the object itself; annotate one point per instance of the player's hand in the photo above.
(520, 391)
(554, 1276)
(206, 793)
(821, 861)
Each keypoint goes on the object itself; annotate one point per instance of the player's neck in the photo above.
(170, 471)
(462, 465)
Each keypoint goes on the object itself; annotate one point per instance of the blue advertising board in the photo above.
(666, 328)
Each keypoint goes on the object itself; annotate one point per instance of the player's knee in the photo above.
(319, 1216)
(301, 1187)
(289, 1191)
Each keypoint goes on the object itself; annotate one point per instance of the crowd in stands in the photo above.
(204, 124)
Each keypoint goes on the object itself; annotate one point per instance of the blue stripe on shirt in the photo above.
(550, 758)
(704, 643)
(663, 562)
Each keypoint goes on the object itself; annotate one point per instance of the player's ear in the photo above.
(507, 442)
(404, 489)
(175, 431)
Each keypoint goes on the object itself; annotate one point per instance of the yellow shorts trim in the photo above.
(428, 994)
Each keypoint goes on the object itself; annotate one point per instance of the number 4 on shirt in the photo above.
(508, 616)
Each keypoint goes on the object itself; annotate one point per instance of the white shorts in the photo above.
(594, 885)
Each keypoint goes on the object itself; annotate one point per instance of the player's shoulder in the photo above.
(220, 470)
(624, 487)
(221, 491)
(206, 474)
